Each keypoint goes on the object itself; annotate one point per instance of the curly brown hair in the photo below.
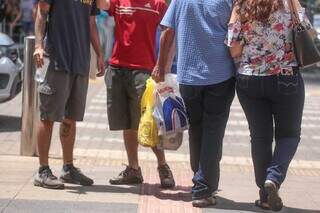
(257, 10)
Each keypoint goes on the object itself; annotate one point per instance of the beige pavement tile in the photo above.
(110, 194)
(298, 200)
(30, 192)
(9, 190)
(101, 191)
(315, 196)
(237, 184)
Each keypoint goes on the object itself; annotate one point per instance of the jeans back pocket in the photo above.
(288, 84)
(242, 81)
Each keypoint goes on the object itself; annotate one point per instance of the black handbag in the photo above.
(305, 49)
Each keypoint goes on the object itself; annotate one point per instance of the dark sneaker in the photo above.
(166, 177)
(128, 177)
(71, 174)
(274, 200)
(44, 178)
(202, 203)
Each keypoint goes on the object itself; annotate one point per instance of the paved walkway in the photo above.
(17, 194)
(99, 153)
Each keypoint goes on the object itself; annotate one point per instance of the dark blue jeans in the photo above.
(208, 109)
(273, 106)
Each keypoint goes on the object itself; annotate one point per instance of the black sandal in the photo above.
(262, 205)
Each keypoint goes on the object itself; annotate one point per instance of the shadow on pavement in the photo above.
(179, 193)
(54, 206)
(226, 204)
(102, 189)
(10, 123)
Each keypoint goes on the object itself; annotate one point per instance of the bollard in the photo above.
(30, 109)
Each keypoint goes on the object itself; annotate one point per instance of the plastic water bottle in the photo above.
(41, 72)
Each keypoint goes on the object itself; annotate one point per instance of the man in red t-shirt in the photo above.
(133, 59)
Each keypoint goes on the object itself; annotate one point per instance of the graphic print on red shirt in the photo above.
(135, 32)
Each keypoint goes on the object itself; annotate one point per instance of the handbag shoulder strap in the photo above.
(294, 12)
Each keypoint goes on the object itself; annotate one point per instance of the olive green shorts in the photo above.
(125, 88)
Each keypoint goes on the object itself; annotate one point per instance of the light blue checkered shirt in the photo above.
(201, 28)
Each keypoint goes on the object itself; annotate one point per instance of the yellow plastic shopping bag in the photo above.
(148, 131)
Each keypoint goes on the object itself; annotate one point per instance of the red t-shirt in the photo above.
(135, 32)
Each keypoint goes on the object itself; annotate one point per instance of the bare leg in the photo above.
(44, 178)
(44, 140)
(165, 173)
(160, 156)
(67, 138)
(131, 143)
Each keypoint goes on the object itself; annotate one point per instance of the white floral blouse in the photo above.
(268, 48)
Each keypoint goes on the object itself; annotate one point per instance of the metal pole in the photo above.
(30, 110)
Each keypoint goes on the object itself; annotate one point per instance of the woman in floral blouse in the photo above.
(270, 88)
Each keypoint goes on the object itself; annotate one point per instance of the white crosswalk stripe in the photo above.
(237, 132)
(177, 157)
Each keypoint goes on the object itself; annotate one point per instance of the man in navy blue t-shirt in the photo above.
(69, 26)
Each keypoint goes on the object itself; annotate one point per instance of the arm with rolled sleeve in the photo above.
(169, 19)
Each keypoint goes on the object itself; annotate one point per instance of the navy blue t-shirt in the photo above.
(68, 35)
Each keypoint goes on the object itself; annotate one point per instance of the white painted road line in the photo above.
(235, 115)
(243, 123)
(104, 108)
(99, 101)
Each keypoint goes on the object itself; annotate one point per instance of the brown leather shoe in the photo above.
(129, 176)
(166, 177)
